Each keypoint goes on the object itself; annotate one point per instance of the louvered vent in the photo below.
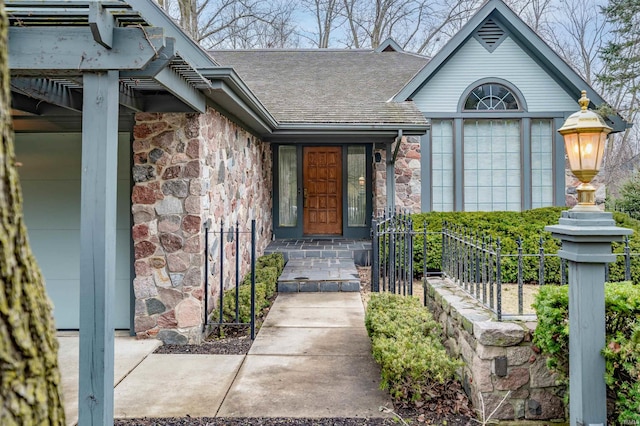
(490, 34)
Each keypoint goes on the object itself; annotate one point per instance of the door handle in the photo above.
(306, 196)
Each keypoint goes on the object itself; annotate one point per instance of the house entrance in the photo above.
(322, 190)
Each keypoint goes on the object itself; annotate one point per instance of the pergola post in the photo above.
(97, 246)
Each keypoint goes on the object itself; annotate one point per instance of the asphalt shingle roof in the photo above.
(328, 86)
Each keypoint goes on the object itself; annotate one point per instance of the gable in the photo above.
(508, 61)
(559, 74)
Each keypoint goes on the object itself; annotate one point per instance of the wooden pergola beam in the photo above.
(65, 49)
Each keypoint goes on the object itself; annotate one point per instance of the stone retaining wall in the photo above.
(190, 168)
(499, 357)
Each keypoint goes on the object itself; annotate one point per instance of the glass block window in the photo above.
(356, 184)
(288, 185)
(541, 163)
(490, 97)
(492, 165)
(442, 165)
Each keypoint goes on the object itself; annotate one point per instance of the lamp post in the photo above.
(586, 233)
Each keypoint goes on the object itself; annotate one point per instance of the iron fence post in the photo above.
(392, 256)
(375, 268)
(492, 262)
(237, 272)
(476, 263)
(253, 279)
(520, 277)
(499, 279)
(541, 264)
(207, 225)
(221, 296)
(424, 266)
(444, 254)
(484, 269)
(410, 259)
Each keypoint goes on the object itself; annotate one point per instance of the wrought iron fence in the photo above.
(393, 245)
(476, 263)
(218, 244)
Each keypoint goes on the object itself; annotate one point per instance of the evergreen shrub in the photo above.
(508, 227)
(407, 345)
(268, 270)
(622, 350)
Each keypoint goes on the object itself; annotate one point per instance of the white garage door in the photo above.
(50, 178)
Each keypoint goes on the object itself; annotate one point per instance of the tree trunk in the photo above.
(29, 375)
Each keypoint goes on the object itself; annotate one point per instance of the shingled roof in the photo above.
(328, 86)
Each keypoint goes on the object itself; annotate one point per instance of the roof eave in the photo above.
(231, 93)
(380, 132)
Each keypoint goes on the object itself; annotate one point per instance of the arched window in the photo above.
(490, 97)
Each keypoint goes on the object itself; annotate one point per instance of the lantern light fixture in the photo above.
(585, 134)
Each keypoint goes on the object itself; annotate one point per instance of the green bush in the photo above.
(275, 260)
(406, 343)
(622, 352)
(268, 270)
(244, 303)
(508, 227)
(267, 275)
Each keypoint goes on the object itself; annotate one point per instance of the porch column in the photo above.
(97, 246)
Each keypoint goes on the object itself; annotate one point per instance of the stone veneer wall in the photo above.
(499, 357)
(571, 193)
(408, 179)
(189, 168)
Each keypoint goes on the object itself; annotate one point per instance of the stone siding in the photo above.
(188, 169)
(407, 176)
(571, 192)
(499, 357)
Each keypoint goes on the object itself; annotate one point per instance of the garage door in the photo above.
(50, 178)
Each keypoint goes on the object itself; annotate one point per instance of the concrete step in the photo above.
(314, 274)
(332, 248)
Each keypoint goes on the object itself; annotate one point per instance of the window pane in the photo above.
(492, 170)
(489, 97)
(356, 184)
(442, 165)
(288, 185)
(541, 163)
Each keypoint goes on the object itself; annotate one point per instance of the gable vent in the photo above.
(490, 34)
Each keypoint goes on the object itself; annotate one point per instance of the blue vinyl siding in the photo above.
(473, 62)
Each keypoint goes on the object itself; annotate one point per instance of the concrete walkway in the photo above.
(311, 358)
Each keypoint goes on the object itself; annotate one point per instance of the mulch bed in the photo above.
(263, 421)
(225, 346)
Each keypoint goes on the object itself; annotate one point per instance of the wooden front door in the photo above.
(322, 191)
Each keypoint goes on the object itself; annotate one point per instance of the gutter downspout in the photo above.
(391, 172)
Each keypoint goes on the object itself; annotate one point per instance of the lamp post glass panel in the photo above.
(586, 233)
(585, 135)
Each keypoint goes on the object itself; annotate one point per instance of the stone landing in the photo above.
(323, 248)
(313, 274)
